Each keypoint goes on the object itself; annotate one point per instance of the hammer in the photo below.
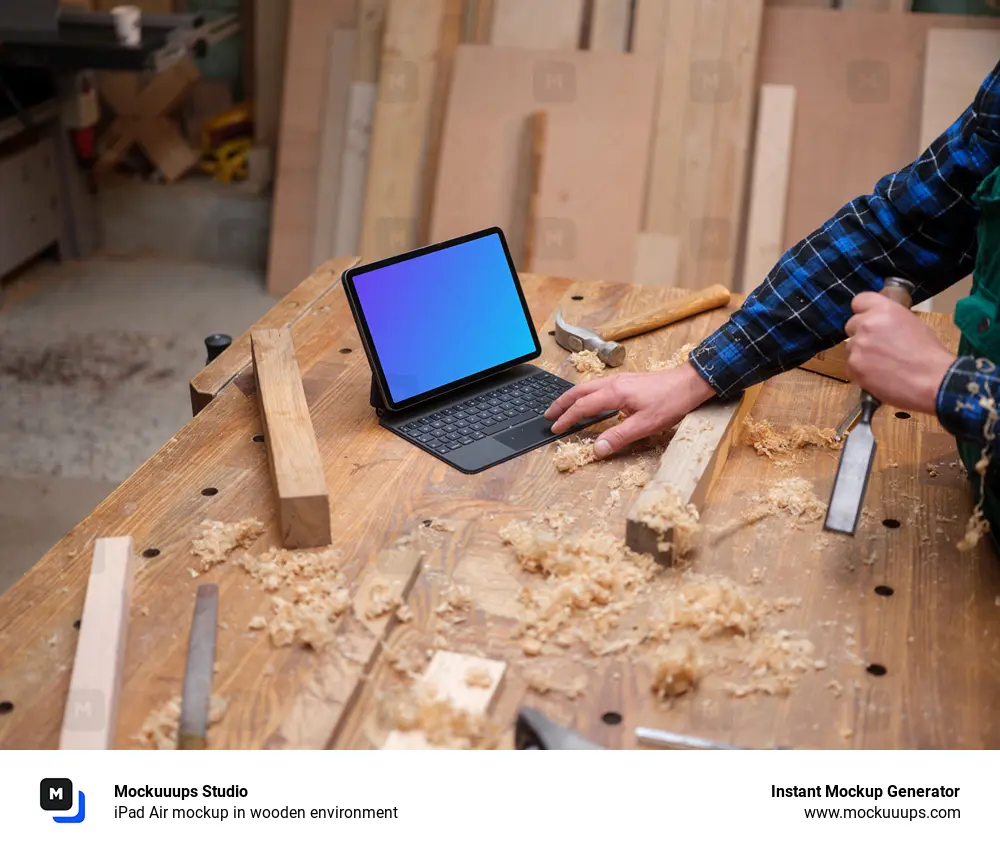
(605, 339)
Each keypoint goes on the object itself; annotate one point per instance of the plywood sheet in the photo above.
(599, 111)
(609, 25)
(527, 23)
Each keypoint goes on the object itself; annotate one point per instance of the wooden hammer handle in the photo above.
(672, 311)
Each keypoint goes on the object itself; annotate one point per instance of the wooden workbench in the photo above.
(935, 636)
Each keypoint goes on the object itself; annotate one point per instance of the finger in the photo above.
(569, 398)
(634, 428)
(853, 325)
(866, 301)
(606, 398)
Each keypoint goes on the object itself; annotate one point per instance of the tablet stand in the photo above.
(375, 398)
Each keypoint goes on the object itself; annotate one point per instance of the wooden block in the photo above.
(590, 199)
(165, 147)
(317, 715)
(609, 25)
(769, 183)
(208, 99)
(656, 258)
(554, 24)
(448, 675)
(91, 715)
(292, 451)
(340, 65)
(402, 119)
(689, 467)
(832, 363)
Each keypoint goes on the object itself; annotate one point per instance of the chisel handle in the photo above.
(900, 290)
(673, 311)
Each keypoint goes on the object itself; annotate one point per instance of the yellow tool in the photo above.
(226, 140)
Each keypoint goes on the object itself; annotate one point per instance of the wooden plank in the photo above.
(297, 174)
(610, 23)
(320, 710)
(656, 259)
(832, 363)
(91, 715)
(165, 147)
(957, 62)
(407, 84)
(649, 27)
(875, 5)
(691, 464)
(299, 303)
(332, 141)
(520, 240)
(448, 676)
(554, 24)
(292, 451)
(769, 183)
(599, 112)
(270, 39)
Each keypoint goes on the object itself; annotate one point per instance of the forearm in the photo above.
(967, 401)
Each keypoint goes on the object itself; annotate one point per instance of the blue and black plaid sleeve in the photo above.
(967, 394)
(919, 223)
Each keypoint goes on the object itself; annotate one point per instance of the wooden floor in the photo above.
(935, 636)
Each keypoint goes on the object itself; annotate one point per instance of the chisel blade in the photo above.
(848, 497)
(197, 694)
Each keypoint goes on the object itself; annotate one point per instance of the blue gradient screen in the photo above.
(444, 316)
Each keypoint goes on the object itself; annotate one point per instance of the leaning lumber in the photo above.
(91, 714)
(292, 450)
(690, 465)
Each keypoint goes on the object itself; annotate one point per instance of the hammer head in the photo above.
(576, 338)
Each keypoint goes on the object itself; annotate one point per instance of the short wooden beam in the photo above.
(292, 450)
(91, 715)
(688, 468)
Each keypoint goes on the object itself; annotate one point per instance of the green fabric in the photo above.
(976, 317)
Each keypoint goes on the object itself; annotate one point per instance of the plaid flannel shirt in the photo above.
(919, 223)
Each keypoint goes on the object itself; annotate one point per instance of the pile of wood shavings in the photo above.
(441, 722)
(216, 541)
(676, 670)
(313, 595)
(771, 442)
(543, 679)
(977, 525)
(680, 356)
(587, 362)
(713, 607)
(632, 477)
(159, 729)
(672, 518)
(775, 662)
(570, 455)
(794, 496)
(478, 677)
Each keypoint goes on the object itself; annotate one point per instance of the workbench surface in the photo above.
(930, 629)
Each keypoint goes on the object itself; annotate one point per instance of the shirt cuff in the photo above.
(959, 400)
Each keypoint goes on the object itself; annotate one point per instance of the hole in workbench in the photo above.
(150, 553)
(884, 590)
(346, 350)
(902, 414)
(577, 298)
(210, 491)
(876, 669)
(426, 523)
(552, 333)
(76, 624)
(6, 707)
(612, 718)
(890, 523)
(258, 438)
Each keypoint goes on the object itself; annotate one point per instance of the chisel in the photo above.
(858, 453)
(196, 696)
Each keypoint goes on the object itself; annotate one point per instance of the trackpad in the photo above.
(531, 433)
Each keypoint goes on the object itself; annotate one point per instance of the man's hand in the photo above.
(651, 401)
(894, 355)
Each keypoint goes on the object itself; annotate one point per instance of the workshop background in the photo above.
(672, 142)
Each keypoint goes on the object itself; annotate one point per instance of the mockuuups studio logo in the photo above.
(555, 81)
(868, 81)
(56, 795)
(400, 83)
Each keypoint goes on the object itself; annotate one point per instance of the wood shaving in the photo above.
(794, 496)
(677, 523)
(587, 362)
(680, 356)
(159, 729)
(258, 623)
(404, 613)
(676, 670)
(441, 722)
(383, 597)
(713, 607)
(558, 519)
(546, 679)
(216, 541)
(836, 688)
(570, 455)
(632, 477)
(478, 677)
(775, 662)
(772, 442)
(310, 593)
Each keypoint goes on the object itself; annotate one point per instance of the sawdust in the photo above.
(478, 677)
(216, 541)
(544, 678)
(632, 477)
(793, 496)
(570, 455)
(404, 613)
(772, 442)
(383, 597)
(679, 357)
(313, 593)
(442, 723)
(676, 670)
(978, 526)
(670, 517)
(587, 362)
(712, 607)
(558, 519)
(159, 729)
(775, 661)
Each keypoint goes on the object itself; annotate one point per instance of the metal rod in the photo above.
(675, 741)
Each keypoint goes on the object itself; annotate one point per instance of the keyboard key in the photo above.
(450, 428)
(477, 435)
(506, 423)
(455, 445)
(465, 441)
(464, 431)
(438, 432)
(433, 444)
